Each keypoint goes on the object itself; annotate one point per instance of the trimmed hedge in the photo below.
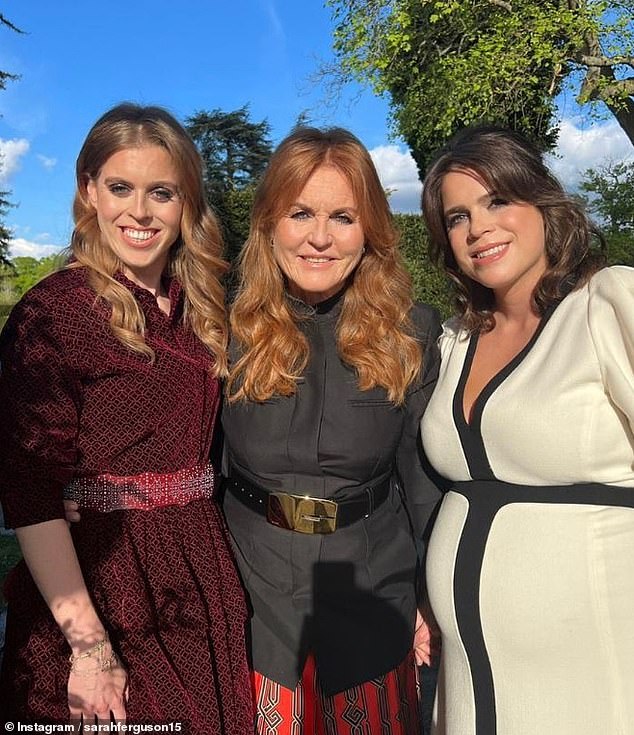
(430, 284)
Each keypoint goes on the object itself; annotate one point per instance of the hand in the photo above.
(422, 641)
(95, 693)
(71, 511)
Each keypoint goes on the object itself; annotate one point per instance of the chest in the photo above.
(543, 418)
(328, 425)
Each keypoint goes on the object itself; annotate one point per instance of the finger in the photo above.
(73, 516)
(103, 715)
(119, 713)
(422, 658)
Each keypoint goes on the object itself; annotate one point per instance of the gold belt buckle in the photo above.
(302, 513)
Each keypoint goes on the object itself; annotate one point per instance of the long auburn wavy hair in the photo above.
(374, 329)
(195, 259)
(512, 167)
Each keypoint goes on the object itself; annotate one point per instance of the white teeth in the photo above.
(491, 251)
(139, 234)
(316, 260)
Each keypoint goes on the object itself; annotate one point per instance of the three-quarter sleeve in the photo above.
(611, 322)
(39, 405)
(419, 483)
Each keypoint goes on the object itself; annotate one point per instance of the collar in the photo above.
(147, 299)
(330, 307)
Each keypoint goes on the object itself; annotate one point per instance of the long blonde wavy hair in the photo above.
(195, 259)
(374, 329)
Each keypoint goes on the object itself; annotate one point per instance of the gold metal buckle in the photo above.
(302, 513)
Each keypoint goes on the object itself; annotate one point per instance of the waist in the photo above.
(146, 491)
(302, 512)
(497, 493)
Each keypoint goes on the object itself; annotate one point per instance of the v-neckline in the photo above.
(470, 433)
(472, 422)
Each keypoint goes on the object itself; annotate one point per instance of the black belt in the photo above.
(303, 513)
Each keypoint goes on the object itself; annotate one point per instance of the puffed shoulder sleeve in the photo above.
(420, 488)
(611, 321)
(39, 406)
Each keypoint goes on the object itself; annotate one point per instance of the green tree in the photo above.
(6, 76)
(445, 64)
(5, 204)
(235, 152)
(5, 232)
(610, 198)
(22, 272)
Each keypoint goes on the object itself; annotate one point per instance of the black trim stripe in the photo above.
(471, 440)
(486, 498)
(470, 432)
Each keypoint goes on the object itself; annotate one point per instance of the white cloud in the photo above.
(19, 247)
(274, 19)
(398, 173)
(10, 153)
(47, 162)
(580, 148)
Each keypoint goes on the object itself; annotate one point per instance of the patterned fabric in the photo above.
(76, 403)
(387, 704)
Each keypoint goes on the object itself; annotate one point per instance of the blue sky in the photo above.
(79, 58)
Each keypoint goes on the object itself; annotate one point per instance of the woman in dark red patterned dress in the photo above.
(108, 395)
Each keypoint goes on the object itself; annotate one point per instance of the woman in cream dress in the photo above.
(530, 567)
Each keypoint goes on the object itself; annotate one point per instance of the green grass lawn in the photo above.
(9, 556)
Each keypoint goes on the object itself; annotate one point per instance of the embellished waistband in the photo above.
(146, 491)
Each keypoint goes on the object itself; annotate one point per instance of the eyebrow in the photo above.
(480, 200)
(153, 184)
(339, 210)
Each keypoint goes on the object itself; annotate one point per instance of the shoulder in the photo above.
(612, 281)
(55, 304)
(62, 287)
(453, 330)
(426, 320)
(610, 294)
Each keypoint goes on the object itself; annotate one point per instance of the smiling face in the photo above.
(496, 242)
(318, 241)
(136, 197)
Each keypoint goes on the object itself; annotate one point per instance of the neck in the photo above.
(152, 282)
(515, 313)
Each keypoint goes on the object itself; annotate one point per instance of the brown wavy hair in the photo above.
(195, 259)
(374, 330)
(513, 167)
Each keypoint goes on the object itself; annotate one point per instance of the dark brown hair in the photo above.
(513, 167)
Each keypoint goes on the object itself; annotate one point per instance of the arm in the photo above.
(419, 482)
(611, 322)
(50, 556)
(39, 402)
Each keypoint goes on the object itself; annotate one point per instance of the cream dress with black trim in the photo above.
(530, 567)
